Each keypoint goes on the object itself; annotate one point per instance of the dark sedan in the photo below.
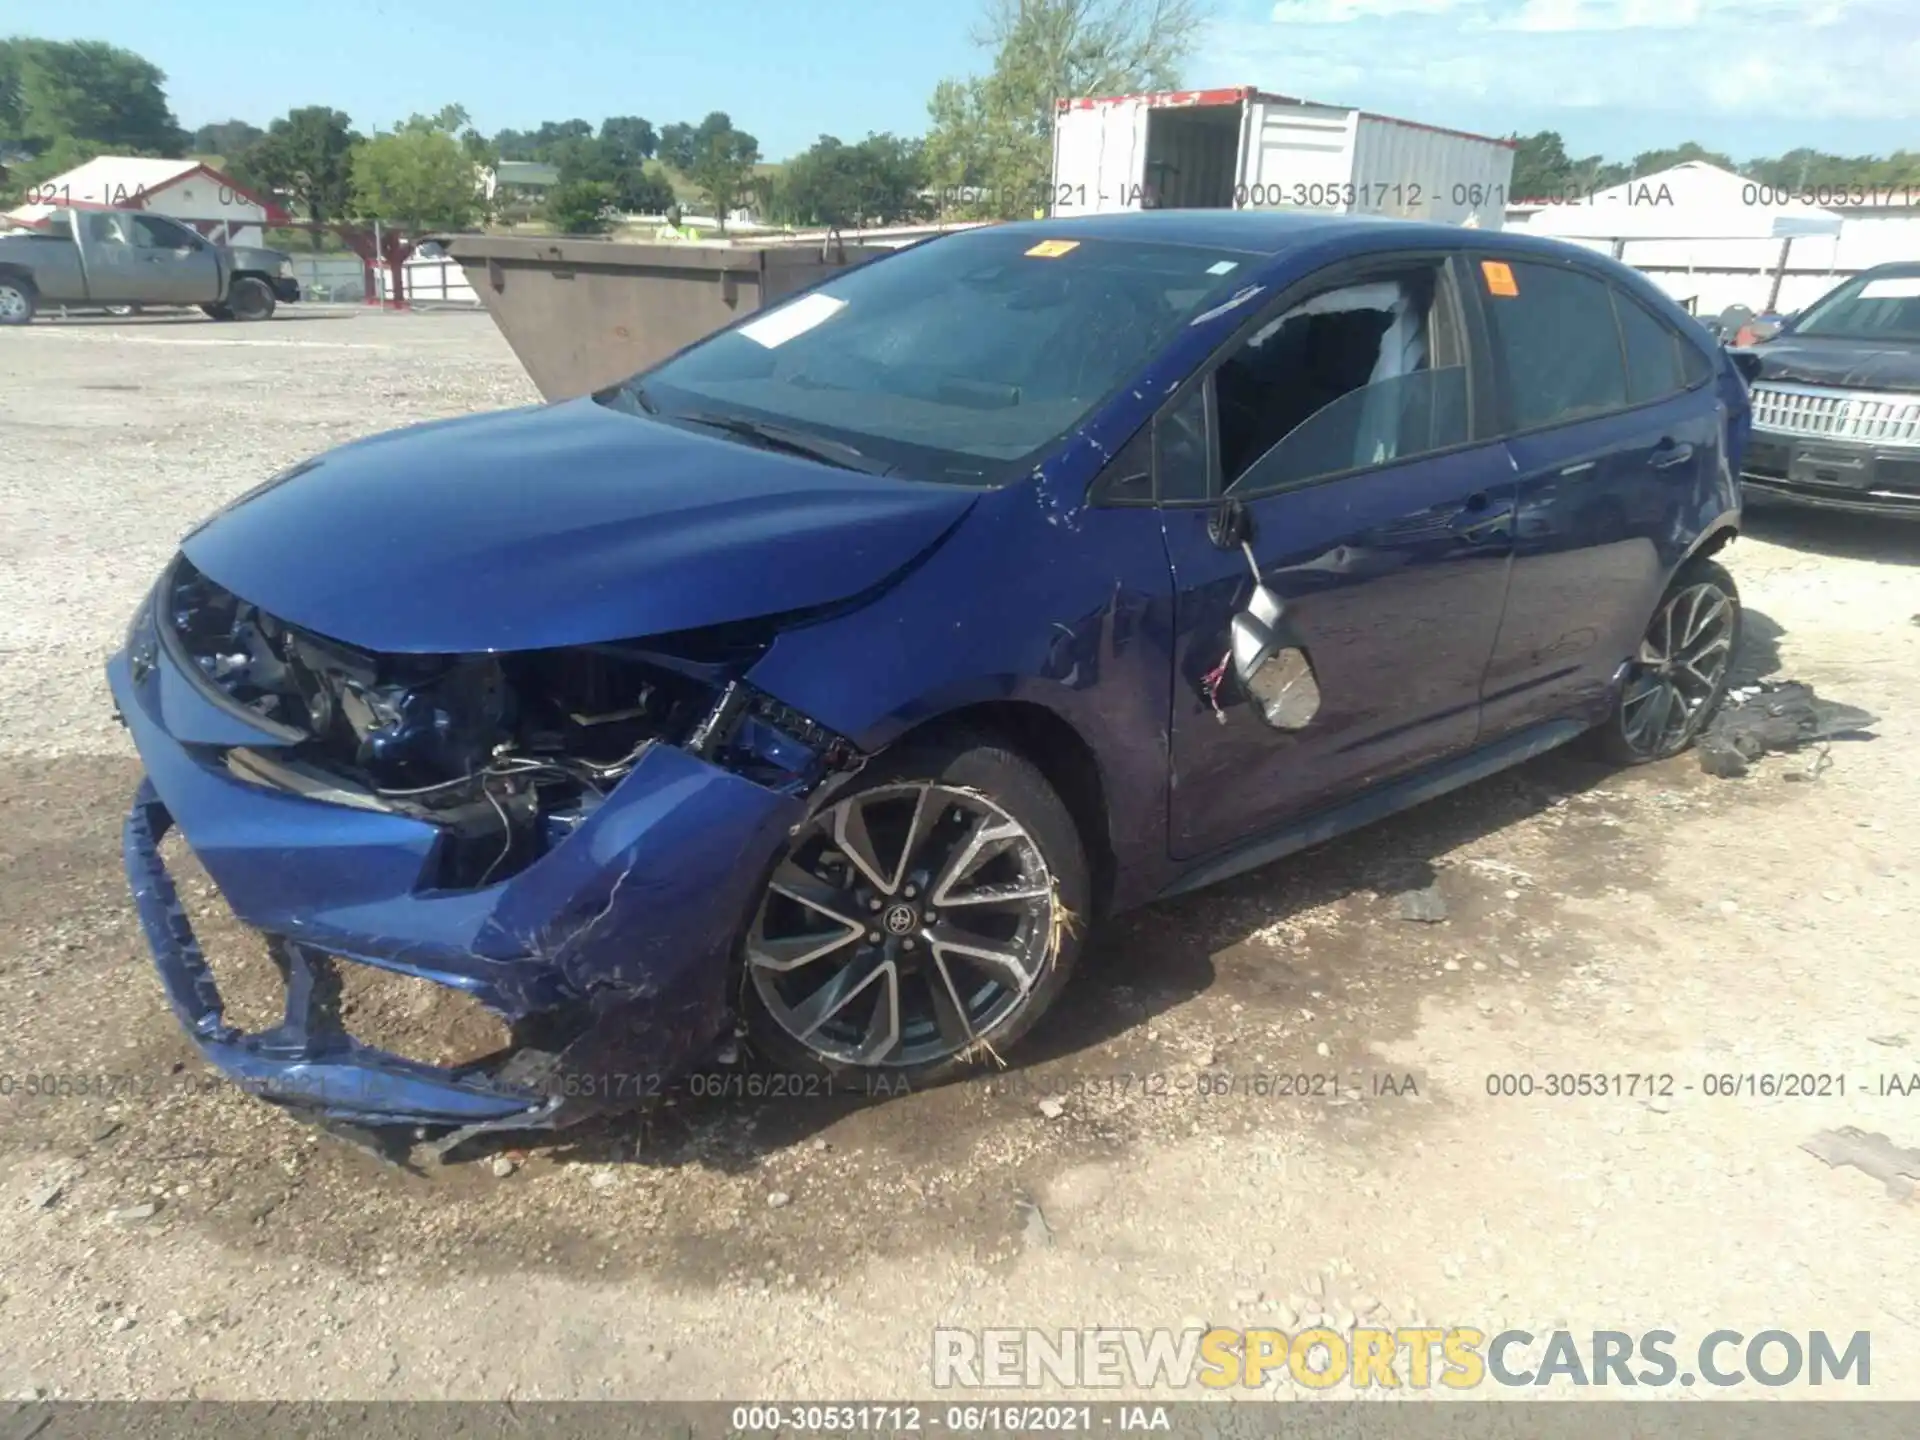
(1836, 400)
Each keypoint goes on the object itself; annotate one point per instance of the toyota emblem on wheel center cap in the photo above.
(901, 920)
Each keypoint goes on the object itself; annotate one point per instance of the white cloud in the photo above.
(1850, 60)
(1343, 12)
(1558, 16)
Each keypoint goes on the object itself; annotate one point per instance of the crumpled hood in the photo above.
(1845, 364)
(559, 525)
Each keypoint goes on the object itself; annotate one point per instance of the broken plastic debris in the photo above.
(1779, 716)
(1424, 905)
(1873, 1154)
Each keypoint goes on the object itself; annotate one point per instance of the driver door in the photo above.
(1348, 426)
(179, 268)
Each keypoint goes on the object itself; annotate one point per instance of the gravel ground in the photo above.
(173, 1239)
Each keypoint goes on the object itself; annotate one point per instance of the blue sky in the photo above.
(1614, 76)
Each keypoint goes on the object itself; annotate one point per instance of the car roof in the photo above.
(1274, 232)
(1258, 232)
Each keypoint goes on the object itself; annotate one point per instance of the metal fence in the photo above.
(436, 281)
(330, 279)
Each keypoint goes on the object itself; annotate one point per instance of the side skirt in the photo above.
(1378, 803)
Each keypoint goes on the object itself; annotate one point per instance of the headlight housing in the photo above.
(286, 269)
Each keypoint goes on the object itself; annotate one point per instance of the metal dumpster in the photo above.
(582, 314)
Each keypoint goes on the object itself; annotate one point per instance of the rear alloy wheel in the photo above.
(919, 923)
(17, 301)
(1679, 676)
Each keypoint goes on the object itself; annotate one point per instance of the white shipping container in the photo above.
(1246, 149)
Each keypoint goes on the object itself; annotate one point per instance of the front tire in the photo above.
(923, 919)
(1679, 675)
(18, 300)
(251, 299)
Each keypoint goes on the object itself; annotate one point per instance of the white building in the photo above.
(1714, 238)
(216, 205)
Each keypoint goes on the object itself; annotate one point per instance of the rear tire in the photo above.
(18, 300)
(250, 299)
(1679, 676)
(947, 888)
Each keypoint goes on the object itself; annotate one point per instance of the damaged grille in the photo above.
(506, 754)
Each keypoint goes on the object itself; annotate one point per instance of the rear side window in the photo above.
(1694, 367)
(1653, 352)
(1556, 341)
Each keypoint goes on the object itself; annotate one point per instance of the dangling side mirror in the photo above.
(1277, 675)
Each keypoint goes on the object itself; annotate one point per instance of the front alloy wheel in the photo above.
(1680, 673)
(920, 921)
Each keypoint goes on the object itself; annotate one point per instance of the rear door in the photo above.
(177, 266)
(1613, 451)
(1344, 422)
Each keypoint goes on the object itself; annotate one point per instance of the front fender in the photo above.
(1069, 610)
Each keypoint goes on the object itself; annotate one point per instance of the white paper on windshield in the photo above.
(1221, 267)
(1894, 287)
(776, 327)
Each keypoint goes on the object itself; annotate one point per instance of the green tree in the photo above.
(87, 91)
(632, 133)
(58, 158)
(995, 132)
(1541, 167)
(307, 156)
(1648, 162)
(11, 139)
(873, 182)
(609, 160)
(225, 138)
(582, 207)
(715, 157)
(421, 176)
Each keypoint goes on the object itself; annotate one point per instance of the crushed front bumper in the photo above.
(611, 952)
(286, 290)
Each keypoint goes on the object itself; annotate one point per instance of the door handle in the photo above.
(1667, 454)
(1479, 519)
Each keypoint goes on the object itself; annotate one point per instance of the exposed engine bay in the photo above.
(506, 753)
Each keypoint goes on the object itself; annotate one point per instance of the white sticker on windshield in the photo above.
(1221, 267)
(776, 327)
(1894, 287)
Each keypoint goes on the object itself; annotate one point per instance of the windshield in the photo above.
(958, 360)
(1874, 307)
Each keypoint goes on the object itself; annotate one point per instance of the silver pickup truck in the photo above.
(110, 259)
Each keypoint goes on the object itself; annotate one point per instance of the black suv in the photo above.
(1836, 400)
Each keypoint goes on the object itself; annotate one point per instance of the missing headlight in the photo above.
(505, 754)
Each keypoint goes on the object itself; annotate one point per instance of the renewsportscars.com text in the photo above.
(1408, 1357)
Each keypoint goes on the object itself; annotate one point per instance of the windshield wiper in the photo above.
(794, 442)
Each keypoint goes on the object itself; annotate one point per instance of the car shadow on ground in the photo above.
(1140, 966)
(1832, 533)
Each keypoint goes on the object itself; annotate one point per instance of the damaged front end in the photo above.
(571, 837)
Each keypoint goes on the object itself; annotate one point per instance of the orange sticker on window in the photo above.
(1499, 277)
(1053, 249)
